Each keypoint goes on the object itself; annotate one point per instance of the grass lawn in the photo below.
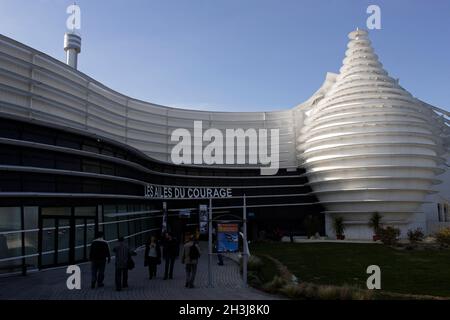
(413, 272)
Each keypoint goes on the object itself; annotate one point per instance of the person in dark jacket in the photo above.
(98, 255)
(152, 256)
(170, 253)
(123, 256)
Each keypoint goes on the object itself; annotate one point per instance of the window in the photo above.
(90, 148)
(67, 142)
(86, 211)
(110, 225)
(57, 211)
(66, 162)
(107, 151)
(10, 156)
(91, 166)
(37, 135)
(100, 217)
(123, 227)
(439, 212)
(10, 243)
(446, 215)
(38, 159)
(31, 237)
(107, 169)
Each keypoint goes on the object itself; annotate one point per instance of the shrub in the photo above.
(375, 222)
(338, 225)
(328, 293)
(415, 235)
(325, 292)
(308, 290)
(389, 235)
(293, 291)
(443, 236)
(275, 285)
(254, 263)
(362, 295)
(253, 279)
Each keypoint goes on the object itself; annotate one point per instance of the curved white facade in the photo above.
(369, 145)
(36, 86)
(366, 144)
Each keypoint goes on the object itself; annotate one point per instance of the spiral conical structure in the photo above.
(368, 145)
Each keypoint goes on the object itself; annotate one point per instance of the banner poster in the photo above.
(227, 237)
(203, 218)
(164, 218)
(185, 213)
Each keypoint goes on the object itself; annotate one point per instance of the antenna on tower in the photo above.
(72, 41)
(73, 15)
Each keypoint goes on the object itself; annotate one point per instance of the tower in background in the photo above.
(72, 47)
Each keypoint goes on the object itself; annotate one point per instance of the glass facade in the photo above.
(38, 237)
(10, 237)
(81, 184)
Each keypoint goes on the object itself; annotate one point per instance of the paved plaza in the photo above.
(51, 284)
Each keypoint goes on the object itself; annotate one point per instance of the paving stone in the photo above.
(51, 284)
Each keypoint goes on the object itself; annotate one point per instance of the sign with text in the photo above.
(227, 237)
(174, 192)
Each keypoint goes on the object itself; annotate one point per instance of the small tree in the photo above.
(375, 223)
(339, 227)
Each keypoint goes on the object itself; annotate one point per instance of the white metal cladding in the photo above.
(368, 145)
(36, 86)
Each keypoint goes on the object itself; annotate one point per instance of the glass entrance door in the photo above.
(84, 234)
(63, 241)
(65, 234)
(55, 241)
(47, 243)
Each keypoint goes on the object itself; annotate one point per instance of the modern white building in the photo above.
(360, 144)
(369, 146)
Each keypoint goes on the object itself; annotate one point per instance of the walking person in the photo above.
(191, 254)
(123, 259)
(216, 247)
(152, 256)
(219, 259)
(170, 253)
(98, 255)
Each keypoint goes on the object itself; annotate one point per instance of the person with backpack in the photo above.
(191, 254)
(98, 255)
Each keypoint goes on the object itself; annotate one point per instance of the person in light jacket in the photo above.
(191, 254)
(152, 256)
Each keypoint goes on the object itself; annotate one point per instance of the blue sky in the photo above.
(237, 55)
